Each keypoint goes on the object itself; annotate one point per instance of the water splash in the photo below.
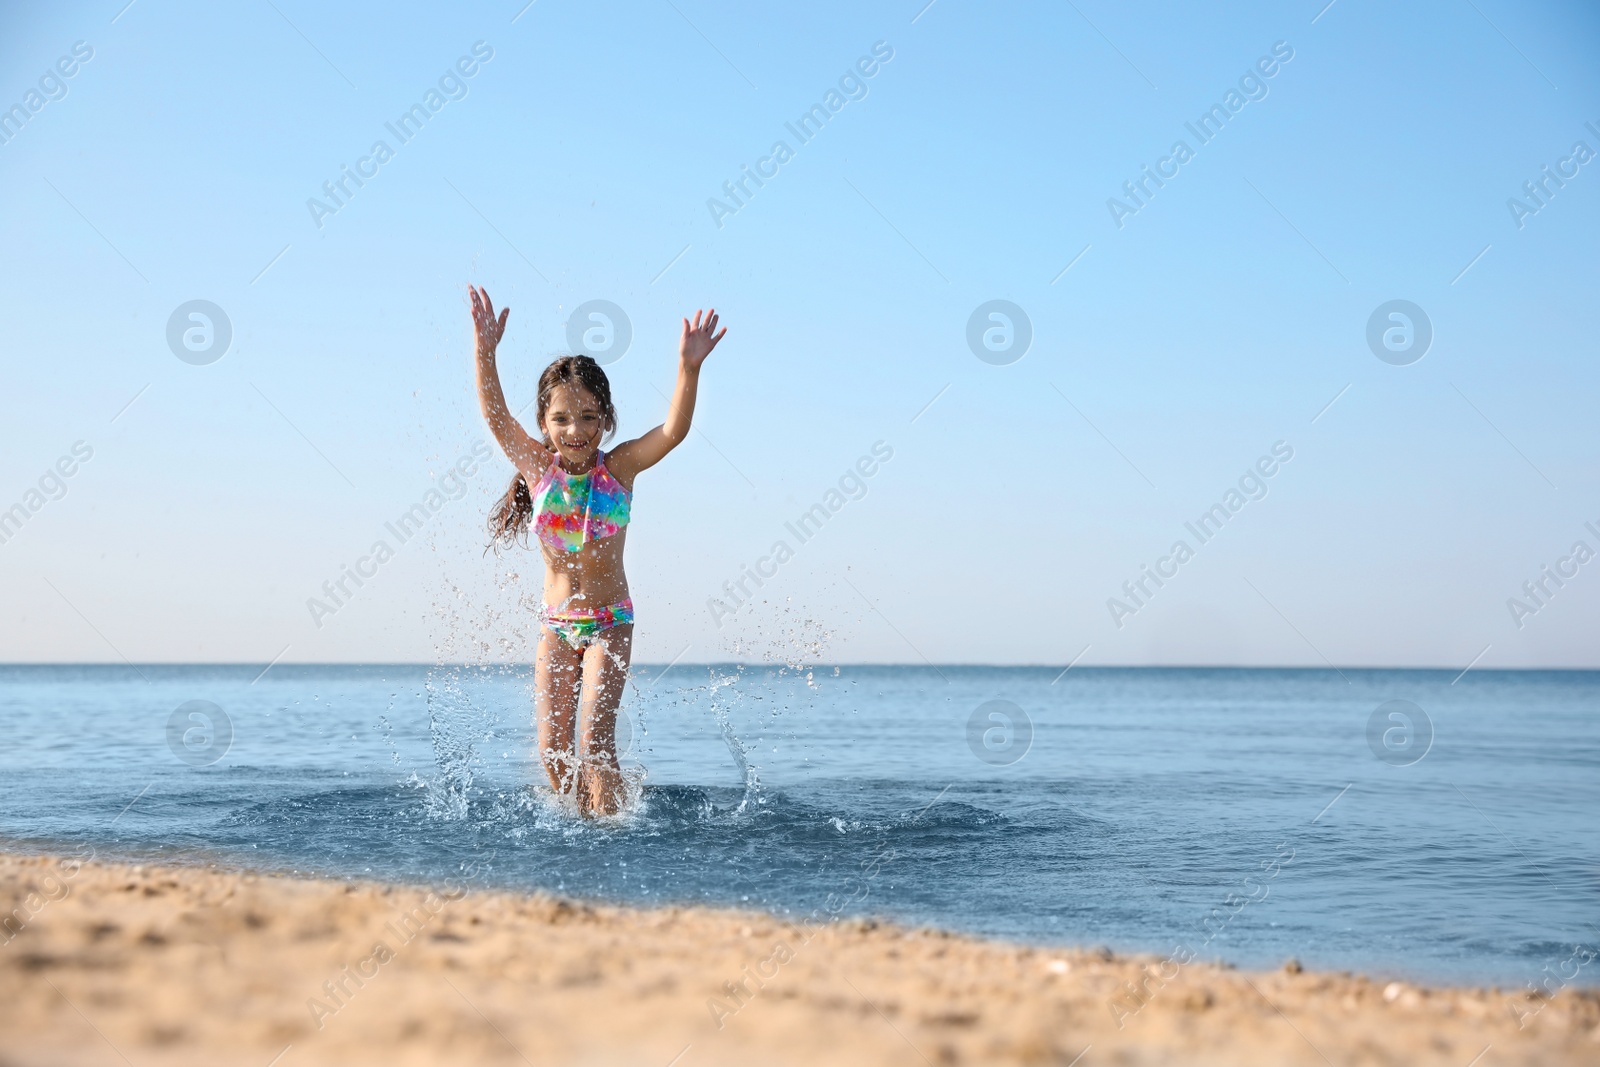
(455, 727)
(722, 708)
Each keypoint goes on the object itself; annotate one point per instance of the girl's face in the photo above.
(573, 421)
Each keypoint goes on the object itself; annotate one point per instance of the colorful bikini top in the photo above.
(570, 510)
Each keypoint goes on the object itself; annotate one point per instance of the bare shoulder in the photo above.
(626, 460)
(533, 461)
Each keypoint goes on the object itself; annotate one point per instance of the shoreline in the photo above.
(192, 858)
(195, 858)
(188, 963)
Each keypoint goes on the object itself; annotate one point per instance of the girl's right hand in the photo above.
(488, 328)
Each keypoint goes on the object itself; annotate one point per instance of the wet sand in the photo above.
(112, 963)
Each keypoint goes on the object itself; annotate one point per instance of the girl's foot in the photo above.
(601, 789)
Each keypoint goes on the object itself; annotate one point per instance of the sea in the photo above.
(1417, 825)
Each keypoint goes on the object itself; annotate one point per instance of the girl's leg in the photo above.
(557, 671)
(605, 674)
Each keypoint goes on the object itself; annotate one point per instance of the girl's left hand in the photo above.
(698, 340)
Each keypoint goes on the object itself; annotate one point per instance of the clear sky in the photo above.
(1368, 153)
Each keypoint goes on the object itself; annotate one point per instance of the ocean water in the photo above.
(1242, 815)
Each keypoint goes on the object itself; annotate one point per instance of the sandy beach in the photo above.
(107, 962)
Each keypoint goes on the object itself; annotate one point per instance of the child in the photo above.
(576, 500)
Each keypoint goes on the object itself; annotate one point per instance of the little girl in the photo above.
(576, 500)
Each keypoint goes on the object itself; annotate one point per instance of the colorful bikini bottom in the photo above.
(578, 626)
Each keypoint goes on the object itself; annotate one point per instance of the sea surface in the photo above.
(1242, 815)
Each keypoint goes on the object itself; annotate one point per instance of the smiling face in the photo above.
(574, 422)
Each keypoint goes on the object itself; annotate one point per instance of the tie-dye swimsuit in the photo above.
(569, 511)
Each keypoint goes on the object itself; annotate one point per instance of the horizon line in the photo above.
(927, 666)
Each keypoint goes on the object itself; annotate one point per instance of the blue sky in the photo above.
(1221, 318)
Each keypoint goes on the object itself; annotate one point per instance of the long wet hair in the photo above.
(510, 517)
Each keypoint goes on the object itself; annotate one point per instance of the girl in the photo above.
(576, 500)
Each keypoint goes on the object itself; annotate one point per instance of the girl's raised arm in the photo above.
(650, 448)
(529, 456)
